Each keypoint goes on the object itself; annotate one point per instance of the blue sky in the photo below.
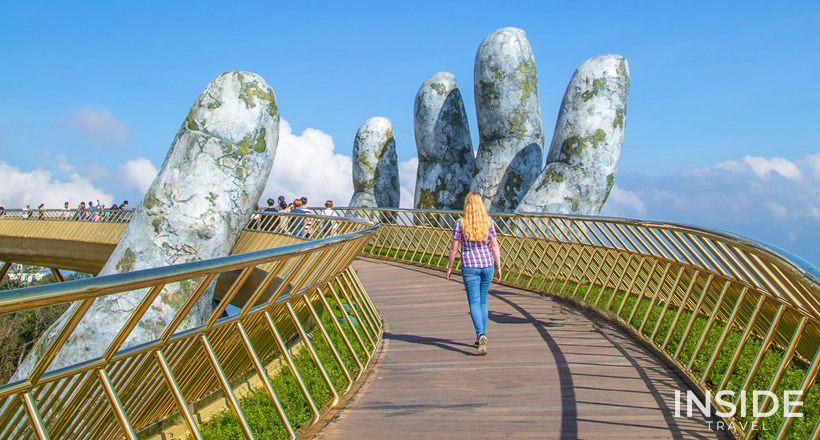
(92, 94)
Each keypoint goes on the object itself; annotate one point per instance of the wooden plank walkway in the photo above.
(551, 371)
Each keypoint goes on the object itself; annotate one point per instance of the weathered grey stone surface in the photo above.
(375, 166)
(511, 144)
(589, 134)
(195, 209)
(445, 151)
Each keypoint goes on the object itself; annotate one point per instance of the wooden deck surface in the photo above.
(551, 372)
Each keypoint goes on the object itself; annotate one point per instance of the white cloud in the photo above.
(731, 166)
(137, 173)
(812, 165)
(775, 199)
(99, 126)
(306, 165)
(407, 182)
(764, 167)
(21, 188)
(759, 166)
(623, 203)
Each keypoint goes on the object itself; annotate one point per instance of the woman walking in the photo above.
(480, 254)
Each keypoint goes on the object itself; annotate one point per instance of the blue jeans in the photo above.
(477, 284)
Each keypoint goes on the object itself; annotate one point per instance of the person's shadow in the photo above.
(446, 344)
(508, 318)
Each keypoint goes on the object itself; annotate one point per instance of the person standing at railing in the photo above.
(329, 226)
(97, 214)
(255, 218)
(475, 233)
(308, 222)
(297, 225)
(81, 214)
(67, 214)
(272, 223)
(124, 216)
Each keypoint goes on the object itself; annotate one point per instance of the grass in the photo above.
(260, 411)
(599, 298)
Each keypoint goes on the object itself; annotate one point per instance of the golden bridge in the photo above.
(599, 328)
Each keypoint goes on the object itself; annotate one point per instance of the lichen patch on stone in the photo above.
(597, 85)
(192, 125)
(619, 119)
(126, 262)
(441, 89)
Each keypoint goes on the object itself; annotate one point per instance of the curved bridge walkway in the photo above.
(552, 371)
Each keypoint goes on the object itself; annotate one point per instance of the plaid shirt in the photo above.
(475, 254)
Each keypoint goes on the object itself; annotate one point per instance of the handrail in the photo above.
(97, 215)
(73, 240)
(286, 289)
(784, 257)
(704, 299)
(732, 313)
(91, 288)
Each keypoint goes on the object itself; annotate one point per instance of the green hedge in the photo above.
(259, 409)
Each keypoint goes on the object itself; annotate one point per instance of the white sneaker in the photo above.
(482, 345)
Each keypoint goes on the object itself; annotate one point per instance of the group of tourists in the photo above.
(83, 211)
(298, 206)
(297, 226)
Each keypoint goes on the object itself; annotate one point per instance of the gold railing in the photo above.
(82, 240)
(72, 240)
(286, 290)
(65, 225)
(92, 215)
(731, 313)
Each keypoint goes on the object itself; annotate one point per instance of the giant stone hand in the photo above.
(589, 134)
(194, 210)
(511, 137)
(375, 166)
(446, 159)
(585, 149)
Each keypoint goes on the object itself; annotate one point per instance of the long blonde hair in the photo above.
(475, 223)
